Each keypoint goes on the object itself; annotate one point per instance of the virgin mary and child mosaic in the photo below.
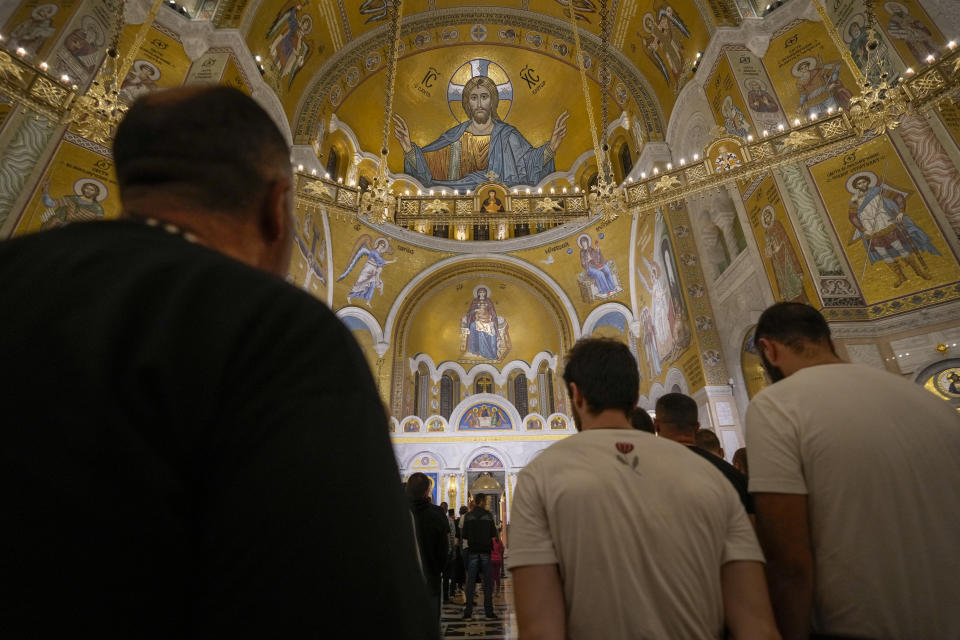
(484, 335)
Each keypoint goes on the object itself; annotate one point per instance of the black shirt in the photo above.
(433, 531)
(479, 530)
(190, 448)
(737, 479)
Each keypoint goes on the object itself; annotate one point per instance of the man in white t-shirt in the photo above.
(856, 481)
(618, 534)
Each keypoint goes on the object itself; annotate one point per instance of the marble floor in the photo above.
(452, 624)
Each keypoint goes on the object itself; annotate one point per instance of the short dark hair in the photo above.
(213, 147)
(641, 420)
(418, 485)
(794, 324)
(678, 409)
(708, 441)
(605, 372)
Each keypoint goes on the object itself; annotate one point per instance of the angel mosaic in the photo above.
(668, 312)
(289, 46)
(663, 44)
(369, 278)
(307, 240)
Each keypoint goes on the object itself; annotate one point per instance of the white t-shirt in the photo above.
(879, 459)
(639, 527)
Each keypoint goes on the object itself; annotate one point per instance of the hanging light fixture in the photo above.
(606, 199)
(100, 109)
(378, 203)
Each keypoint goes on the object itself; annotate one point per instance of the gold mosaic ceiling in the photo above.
(326, 57)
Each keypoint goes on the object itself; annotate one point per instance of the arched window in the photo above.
(449, 393)
(483, 384)
(520, 395)
(626, 162)
(364, 184)
(421, 392)
(545, 390)
(333, 163)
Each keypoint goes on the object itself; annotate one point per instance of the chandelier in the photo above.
(378, 204)
(607, 199)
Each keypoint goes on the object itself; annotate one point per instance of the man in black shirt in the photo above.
(182, 430)
(432, 531)
(677, 419)
(479, 530)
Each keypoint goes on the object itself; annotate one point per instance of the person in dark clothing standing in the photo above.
(479, 530)
(174, 439)
(432, 530)
(677, 419)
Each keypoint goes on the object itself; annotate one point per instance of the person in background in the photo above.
(496, 563)
(740, 461)
(677, 420)
(641, 420)
(182, 483)
(431, 531)
(591, 552)
(855, 476)
(709, 442)
(479, 530)
(453, 556)
(462, 546)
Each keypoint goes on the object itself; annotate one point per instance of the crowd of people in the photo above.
(175, 463)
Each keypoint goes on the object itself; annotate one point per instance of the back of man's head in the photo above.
(418, 486)
(641, 420)
(606, 374)
(677, 413)
(795, 325)
(210, 149)
(479, 501)
(708, 441)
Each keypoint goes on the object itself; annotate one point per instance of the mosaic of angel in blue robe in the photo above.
(481, 149)
(307, 240)
(369, 279)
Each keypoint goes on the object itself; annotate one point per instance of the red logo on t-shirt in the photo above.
(624, 447)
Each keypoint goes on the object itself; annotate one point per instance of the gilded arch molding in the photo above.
(311, 104)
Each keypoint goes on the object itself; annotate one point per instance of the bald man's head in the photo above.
(209, 148)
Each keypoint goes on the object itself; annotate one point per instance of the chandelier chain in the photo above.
(586, 88)
(396, 10)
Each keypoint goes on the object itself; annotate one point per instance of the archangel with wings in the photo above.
(369, 278)
(663, 44)
(307, 241)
